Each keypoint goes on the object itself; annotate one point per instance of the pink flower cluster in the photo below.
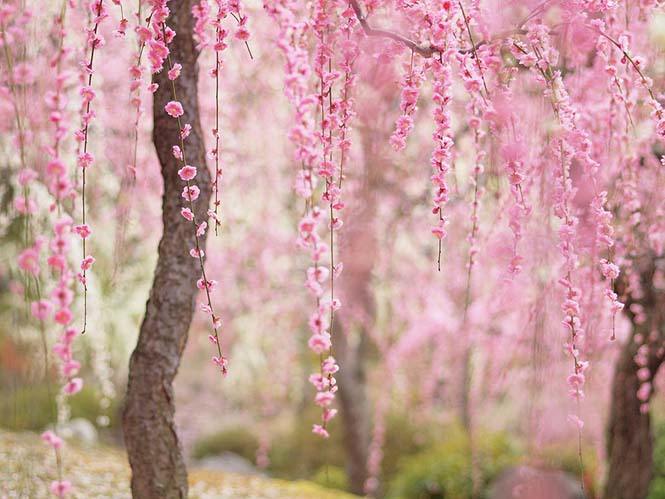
(442, 157)
(411, 84)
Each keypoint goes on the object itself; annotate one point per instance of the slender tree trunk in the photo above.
(358, 247)
(353, 407)
(630, 442)
(153, 447)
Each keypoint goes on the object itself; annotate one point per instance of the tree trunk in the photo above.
(353, 406)
(630, 442)
(630, 445)
(153, 447)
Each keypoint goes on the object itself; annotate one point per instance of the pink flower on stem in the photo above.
(61, 488)
(191, 193)
(73, 386)
(324, 399)
(83, 230)
(174, 108)
(87, 262)
(187, 213)
(174, 72)
(187, 172)
(52, 439)
(320, 430)
(319, 343)
(41, 309)
(28, 261)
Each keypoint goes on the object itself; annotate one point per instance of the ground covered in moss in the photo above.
(27, 467)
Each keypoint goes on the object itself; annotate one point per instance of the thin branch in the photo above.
(423, 50)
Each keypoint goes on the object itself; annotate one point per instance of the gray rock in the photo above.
(229, 462)
(525, 482)
(79, 429)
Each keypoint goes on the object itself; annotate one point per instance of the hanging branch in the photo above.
(424, 50)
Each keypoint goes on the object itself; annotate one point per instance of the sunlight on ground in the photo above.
(101, 472)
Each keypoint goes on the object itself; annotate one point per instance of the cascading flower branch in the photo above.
(160, 55)
(56, 304)
(218, 43)
(314, 151)
(569, 144)
(320, 324)
(442, 156)
(94, 41)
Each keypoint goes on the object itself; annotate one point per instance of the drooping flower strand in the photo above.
(201, 12)
(124, 22)
(637, 63)
(411, 83)
(220, 35)
(242, 33)
(350, 52)
(191, 193)
(326, 36)
(540, 59)
(136, 85)
(442, 156)
(293, 42)
(469, 19)
(24, 204)
(60, 186)
(28, 260)
(95, 41)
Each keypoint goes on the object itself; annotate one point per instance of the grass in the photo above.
(27, 467)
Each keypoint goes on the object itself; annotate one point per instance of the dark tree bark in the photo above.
(358, 247)
(153, 447)
(352, 397)
(630, 442)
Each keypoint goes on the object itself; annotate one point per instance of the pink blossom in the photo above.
(70, 368)
(42, 309)
(186, 130)
(320, 430)
(56, 167)
(187, 213)
(61, 488)
(319, 343)
(191, 193)
(574, 420)
(85, 159)
(26, 175)
(63, 316)
(196, 253)
(87, 262)
(242, 34)
(644, 391)
(73, 386)
(174, 108)
(83, 230)
(52, 439)
(187, 172)
(329, 366)
(324, 399)
(329, 414)
(174, 72)
(28, 261)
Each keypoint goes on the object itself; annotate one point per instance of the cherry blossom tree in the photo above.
(526, 170)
